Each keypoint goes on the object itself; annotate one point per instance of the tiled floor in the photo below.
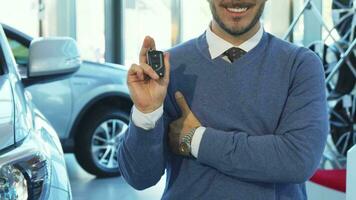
(87, 187)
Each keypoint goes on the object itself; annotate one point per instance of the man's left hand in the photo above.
(181, 127)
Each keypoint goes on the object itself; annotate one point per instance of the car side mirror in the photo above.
(53, 56)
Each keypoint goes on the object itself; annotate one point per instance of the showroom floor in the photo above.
(87, 187)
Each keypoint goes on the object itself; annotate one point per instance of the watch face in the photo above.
(184, 148)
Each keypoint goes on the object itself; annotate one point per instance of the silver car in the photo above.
(32, 165)
(89, 109)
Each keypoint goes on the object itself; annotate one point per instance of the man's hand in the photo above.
(147, 90)
(180, 127)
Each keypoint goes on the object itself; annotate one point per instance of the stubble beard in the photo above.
(235, 32)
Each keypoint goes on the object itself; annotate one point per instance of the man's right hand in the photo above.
(147, 94)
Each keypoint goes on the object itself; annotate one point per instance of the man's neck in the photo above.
(235, 40)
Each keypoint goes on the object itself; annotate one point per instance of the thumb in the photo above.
(182, 103)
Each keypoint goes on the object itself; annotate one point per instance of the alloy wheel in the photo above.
(105, 141)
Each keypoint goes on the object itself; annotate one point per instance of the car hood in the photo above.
(108, 65)
(104, 71)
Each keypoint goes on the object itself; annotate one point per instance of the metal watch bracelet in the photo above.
(187, 139)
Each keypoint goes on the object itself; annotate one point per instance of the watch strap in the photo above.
(187, 139)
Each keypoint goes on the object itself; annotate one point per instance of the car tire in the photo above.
(97, 141)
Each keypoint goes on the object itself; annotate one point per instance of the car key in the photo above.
(155, 59)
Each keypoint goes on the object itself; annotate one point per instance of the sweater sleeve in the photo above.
(293, 152)
(142, 154)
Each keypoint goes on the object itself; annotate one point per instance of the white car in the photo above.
(32, 164)
(89, 108)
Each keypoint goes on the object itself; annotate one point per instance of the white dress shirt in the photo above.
(217, 46)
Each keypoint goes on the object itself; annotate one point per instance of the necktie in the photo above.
(234, 53)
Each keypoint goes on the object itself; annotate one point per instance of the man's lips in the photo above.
(237, 10)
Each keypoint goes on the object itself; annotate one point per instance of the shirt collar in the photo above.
(218, 46)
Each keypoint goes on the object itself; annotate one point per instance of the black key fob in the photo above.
(155, 59)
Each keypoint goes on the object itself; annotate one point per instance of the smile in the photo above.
(237, 10)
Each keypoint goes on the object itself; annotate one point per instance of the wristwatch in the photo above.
(185, 143)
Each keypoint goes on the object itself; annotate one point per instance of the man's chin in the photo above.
(235, 31)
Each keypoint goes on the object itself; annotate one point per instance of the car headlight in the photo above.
(13, 184)
(24, 179)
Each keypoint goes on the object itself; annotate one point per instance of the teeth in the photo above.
(237, 10)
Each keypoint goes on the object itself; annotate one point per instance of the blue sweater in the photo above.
(266, 119)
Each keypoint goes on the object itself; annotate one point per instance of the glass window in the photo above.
(326, 14)
(20, 14)
(21, 54)
(272, 20)
(141, 18)
(196, 17)
(298, 32)
(91, 29)
(49, 18)
(328, 18)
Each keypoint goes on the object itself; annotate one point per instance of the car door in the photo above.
(53, 98)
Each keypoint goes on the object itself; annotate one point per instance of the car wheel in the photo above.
(97, 143)
(343, 16)
(342, 124)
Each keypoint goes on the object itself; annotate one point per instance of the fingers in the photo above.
(141, 70)
(182, 103)
(135, 70)
(148, 43)
(150, 72)
(167, 67)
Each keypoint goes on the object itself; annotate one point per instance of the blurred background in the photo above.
(112, 31)
(104, 27)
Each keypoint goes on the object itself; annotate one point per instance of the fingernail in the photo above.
(178, 94)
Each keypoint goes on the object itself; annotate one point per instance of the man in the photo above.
(227, 123)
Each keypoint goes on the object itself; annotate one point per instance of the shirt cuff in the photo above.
(146, 121)
(198, 135)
